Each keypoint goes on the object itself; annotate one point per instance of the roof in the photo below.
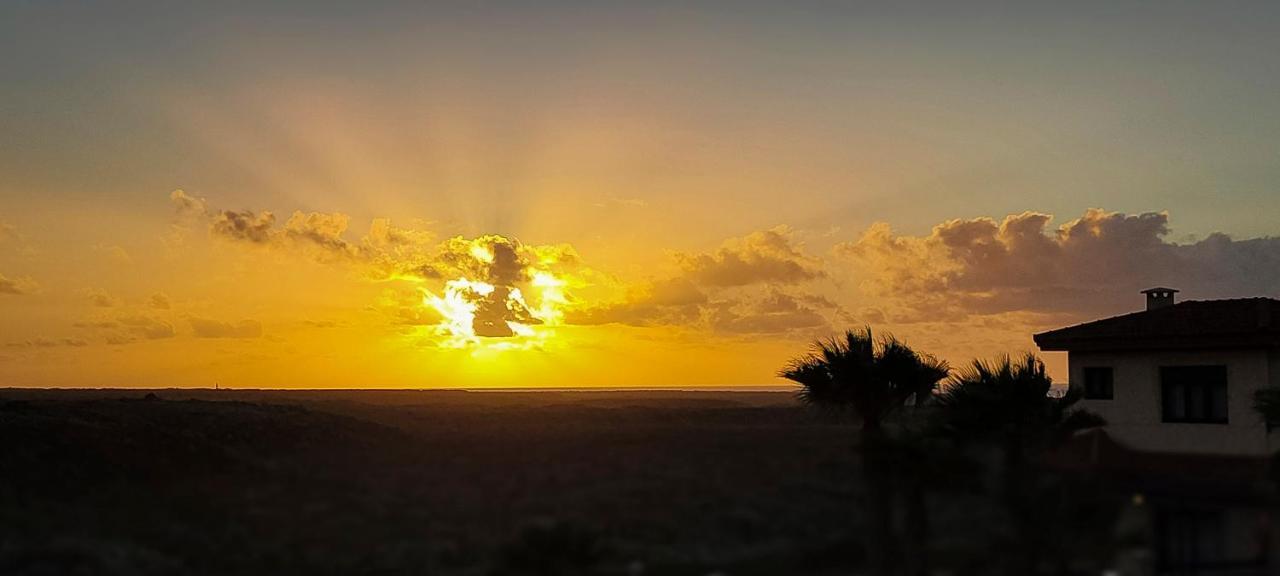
(1238, 323)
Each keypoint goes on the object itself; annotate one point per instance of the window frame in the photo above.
(1110, 386)
(1204, 387)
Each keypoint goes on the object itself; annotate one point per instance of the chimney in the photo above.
(1159, 297)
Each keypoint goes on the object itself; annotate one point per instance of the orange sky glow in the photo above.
(648, 196)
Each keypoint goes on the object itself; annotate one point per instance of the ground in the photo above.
(422, 482)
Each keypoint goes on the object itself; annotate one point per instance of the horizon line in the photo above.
(731, 388)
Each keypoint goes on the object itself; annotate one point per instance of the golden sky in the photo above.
(588, 195)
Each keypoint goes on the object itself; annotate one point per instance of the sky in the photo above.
(491, 194)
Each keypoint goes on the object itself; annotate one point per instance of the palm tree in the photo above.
(872, 380)
(1007, 403)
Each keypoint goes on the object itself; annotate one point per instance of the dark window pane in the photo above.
(1099, 383)
(1218, 402)
(1194, 393)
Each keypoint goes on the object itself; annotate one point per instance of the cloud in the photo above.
(159, 301)
(697, 295)
(18, 286)
(404, 308)
(383, 235)
(1091, 265)
(674, 301)
(775, 313)
(766, 256)
(104, 324)
(319, 235)
(124, 328)
(101, 299)
(187, 205)
(508, 268)
(322, 231)
(243, 226)
(206, 328)
(48, 343)
(736, 289)
(392, 253)
(148, 327)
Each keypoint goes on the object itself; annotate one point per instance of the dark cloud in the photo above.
(491, 259)
(386, 252)
(505, 264)
(244, 226)
(206, 328)
(495, 309)
(316, 234)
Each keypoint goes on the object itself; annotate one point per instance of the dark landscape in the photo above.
(409, 482)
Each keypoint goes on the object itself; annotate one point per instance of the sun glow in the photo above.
(494, 313)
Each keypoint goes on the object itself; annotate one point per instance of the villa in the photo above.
(1175, 383)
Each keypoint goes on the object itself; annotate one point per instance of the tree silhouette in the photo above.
(1266, 402)
(873, 380)
(1008, 404)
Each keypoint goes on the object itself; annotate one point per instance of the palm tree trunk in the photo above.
(919, 531)
(879, 510)
(1018, 502)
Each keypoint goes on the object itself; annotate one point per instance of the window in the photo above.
(1194, 394)
(1098, 383)
(1190, 540)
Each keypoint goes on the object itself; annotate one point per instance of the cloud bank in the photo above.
(759, 284)
(1088, 266)
(765, 283)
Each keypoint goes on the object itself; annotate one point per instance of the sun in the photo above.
(489, 308)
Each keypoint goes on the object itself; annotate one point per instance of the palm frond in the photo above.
(1008, 399)
(1266, 402)
(869, 376)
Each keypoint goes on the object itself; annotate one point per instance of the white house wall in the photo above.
(1134, 415)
